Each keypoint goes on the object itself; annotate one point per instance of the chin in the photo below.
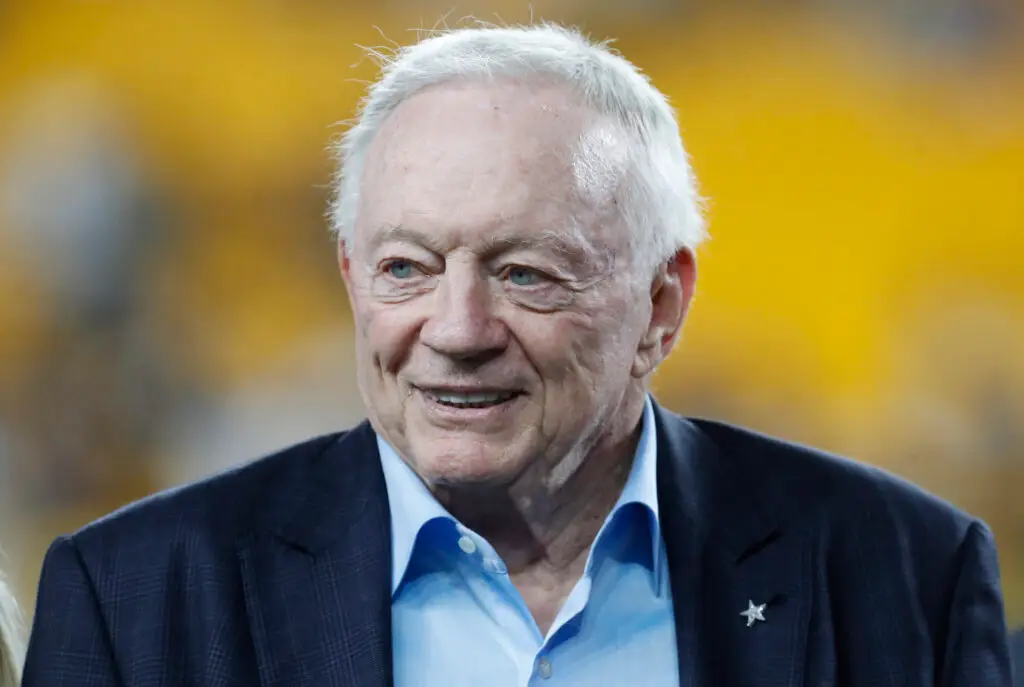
(454, 482)
(468, 464)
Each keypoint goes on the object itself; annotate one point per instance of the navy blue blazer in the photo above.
(277, 573)
(1017, 656)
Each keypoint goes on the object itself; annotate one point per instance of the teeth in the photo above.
(489, 398)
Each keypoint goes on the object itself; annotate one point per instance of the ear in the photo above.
(344, 265)
(345, 268)
(671, 293)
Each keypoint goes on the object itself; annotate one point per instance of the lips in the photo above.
(470, 399)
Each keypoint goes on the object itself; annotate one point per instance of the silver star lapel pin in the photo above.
(754, 613)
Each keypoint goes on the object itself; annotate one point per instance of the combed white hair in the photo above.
(11, 645)
(655, 188)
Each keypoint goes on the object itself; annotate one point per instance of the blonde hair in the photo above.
(11, 641)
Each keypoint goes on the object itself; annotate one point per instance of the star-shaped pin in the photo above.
(754, 613)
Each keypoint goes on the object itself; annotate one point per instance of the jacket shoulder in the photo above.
(869, 529)
(222, 506)
(803, 484)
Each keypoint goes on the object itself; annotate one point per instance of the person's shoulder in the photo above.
(1017, 655)
(1017, 647)
(221, 507)
(801, 484)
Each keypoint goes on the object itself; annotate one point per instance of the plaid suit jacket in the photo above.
(276, 573)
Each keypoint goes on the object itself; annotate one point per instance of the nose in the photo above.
(463, 324)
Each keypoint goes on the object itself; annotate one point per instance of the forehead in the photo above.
(467, 161)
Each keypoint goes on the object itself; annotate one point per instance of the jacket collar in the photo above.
(702, 493)
(317, 575)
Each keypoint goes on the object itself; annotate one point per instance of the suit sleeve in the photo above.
(69, 643)
(977, 651)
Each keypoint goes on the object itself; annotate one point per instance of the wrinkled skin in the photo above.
(486, 258)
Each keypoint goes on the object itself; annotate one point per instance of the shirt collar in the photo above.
(641, 488)
(412, 505)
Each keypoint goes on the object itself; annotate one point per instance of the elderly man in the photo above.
(516, 225)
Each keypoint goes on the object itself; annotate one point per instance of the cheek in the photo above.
(569, 349)
(602, 344)
(388, 333)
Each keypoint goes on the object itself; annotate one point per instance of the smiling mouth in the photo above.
(480, 399)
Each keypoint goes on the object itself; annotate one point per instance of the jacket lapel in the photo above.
(726, 551)
(316, 580)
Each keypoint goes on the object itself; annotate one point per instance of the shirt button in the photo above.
(466, 544)
(544, 668)
(495, 566)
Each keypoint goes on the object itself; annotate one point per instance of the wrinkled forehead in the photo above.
(475, 158)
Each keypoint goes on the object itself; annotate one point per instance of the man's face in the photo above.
(498, 323)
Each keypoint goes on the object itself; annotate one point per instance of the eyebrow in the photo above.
(556, 241)
(398, 232)
(552, 240)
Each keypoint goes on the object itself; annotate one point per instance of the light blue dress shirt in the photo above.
(458, 621)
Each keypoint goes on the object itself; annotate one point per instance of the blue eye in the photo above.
(400, 269)
(520, 276)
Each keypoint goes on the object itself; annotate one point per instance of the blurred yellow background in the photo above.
(168, 298)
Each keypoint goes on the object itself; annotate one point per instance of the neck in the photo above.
(548, 518)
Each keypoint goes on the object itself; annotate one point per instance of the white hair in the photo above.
(654, 185)
(11, 644)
